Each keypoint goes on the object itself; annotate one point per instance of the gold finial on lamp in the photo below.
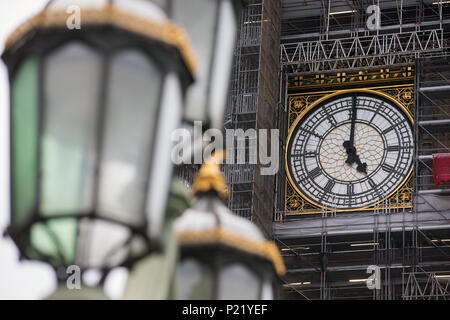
(210, 177)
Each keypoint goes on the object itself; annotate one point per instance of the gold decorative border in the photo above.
(265, 249)
(300, 104)
(362, 77)
(166, 31)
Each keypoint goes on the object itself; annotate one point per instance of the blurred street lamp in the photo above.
(212, 27)
(92, 110)
(223, 256)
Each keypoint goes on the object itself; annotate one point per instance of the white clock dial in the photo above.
(382, 144)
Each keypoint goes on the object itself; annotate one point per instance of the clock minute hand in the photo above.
(349, 144)
(352, 128)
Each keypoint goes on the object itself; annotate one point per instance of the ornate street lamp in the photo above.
(211, 26)
(223, 256)
(92, 110)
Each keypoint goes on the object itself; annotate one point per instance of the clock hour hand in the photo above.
(351, 152)
(362, 167)
(353, 157)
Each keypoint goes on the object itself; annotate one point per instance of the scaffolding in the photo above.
(241, 109)
(242, 106)
(426, 286)
(327, 255)
(252, 105)
(331, 263)
(334, 36)
(361, 53)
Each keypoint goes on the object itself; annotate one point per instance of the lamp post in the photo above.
(92, 110)
(222, 256)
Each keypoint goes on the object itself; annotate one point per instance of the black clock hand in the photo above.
(349, 144)
(362, 167)
(353, 157)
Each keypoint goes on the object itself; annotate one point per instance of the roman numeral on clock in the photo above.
(387, 130)
(372, 184)
(329, 117)
(392, 148)
(378, 107)
(310, 132)
(330, 184)
(350, 189)
(386, 167)
(315, 173)
(374, 187)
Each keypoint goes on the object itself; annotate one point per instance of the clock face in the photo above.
(374, 162)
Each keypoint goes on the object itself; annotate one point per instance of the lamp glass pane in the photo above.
(267, 290)
(162, 166)
(65, 233)
(238, 282)
(24, 115)
(221, 69)
(43, 243)
(101, 244)
(194, 281)
(198, 18)
(71, 93)
(55, 239)
(130, 117)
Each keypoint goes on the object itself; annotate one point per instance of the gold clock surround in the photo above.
(296, 203)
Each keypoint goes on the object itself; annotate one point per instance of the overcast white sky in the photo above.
(18, 280)
(21, 280)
